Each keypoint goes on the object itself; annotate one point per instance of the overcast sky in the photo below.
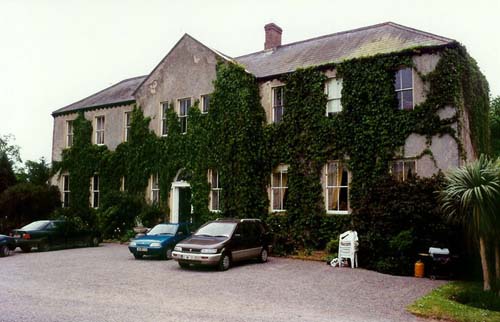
(54, 53)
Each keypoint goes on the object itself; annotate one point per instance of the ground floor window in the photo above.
(403, 170)
(94, 188)
(155, 189)
(279, 188)
(336, 188)
(65, 191)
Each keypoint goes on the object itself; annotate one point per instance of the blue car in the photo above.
(159, 241)
(7, 244)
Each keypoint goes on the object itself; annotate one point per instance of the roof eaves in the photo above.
(93, 107)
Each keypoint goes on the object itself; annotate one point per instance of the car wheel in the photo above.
(94, 242)
(183, 265)
(43, 247)
(26, 249)
(4, 251)
(225, 262)
(138, 256)
(263, 255)
(168, 253)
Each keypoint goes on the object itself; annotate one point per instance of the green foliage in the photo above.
(150, 216)
(398, 220)
(9, 149)
(118, 214)
(237, 142)
(332, 246)
(35, 172)
(495, 126)
(25, 202)
(7, 176)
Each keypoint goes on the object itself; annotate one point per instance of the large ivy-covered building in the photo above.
(333, 113)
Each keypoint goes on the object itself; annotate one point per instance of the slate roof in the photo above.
(367, 41)
(118, 93)
(377, 39)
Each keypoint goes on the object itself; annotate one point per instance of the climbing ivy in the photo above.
(234, 140)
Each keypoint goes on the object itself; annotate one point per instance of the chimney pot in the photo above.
(273, 36)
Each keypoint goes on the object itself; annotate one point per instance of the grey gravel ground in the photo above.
(107, 284)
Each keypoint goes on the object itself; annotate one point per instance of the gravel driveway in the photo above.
(107, 284)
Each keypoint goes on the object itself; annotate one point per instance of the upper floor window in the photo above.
(336, 188)
(126, 126)
(184, 105)
(403, 84)
(69, 134)
(279, 188)
(164, 118)
(278, 103)
(333, 90)
(155, 189)
(99, 130)
(205, 103)
(214, 190)
(66, 191)
(95, 192)
(403, 170)
(122, 184)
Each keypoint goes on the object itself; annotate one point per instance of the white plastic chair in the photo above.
(348, 247)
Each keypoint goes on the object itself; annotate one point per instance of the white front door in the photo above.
(176, 186)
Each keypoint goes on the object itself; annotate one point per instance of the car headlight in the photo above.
(178, 249)
(155, 245)
(209, 250)
(132, 243)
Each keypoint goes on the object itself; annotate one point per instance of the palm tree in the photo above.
(471, 196)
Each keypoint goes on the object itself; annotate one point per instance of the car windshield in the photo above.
(216, 229)
(163, 229)
(36, 225)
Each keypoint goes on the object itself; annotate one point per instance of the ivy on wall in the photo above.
(234, 140)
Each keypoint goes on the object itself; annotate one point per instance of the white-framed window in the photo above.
(184, 105)
(164, 118)
(333, 89)
(66, 191)
(279, 188)
(99, 130)
(402, 170)
(205, 103)
(94, 189)
(126, 125)
(336, 188)
(215, 190)
(69, 134)
(155, 189)
(403, 85)
(278, 103)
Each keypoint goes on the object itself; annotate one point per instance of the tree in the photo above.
(495, 126)
(471, 196)
(7, 176)
(35, 172)
(9, 149)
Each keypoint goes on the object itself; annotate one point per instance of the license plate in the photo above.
(142, 249)
(187, 257)
(17, 236)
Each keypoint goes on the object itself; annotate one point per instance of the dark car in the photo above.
(223, 241)
(52, 234)
(159, 241)
(7, 244)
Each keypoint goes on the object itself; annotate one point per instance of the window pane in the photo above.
(164, 110)
(332, 195)
(334, 106)
(409, 167)
(278, 114)
(276, 179)
(344, 180)
(95, 183)
(278, 96)
(406, 78)
(397, 170)
(407, 99)
(343, 198)
(206, 103)
(397, 80)
(276, 199)
(400, 98)
(183, 125)
(284, 179)
(334, 88)
(215, 199)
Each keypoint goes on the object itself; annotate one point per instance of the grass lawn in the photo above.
(446, 301)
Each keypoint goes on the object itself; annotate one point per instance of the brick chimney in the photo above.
(273, 36)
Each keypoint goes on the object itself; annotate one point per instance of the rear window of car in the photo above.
(36, 225)
(216, 229)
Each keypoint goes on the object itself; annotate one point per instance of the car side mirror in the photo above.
(237, 235)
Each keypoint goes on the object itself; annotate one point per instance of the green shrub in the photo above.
(332, 246)
(119, 214)
(151, 215)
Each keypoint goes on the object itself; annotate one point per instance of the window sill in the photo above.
(338, 212)
(215, 211)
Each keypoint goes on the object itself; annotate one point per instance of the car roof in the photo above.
(236, 220)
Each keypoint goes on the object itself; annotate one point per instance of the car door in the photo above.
(254, 244)
(239, 243)
(56, 234)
